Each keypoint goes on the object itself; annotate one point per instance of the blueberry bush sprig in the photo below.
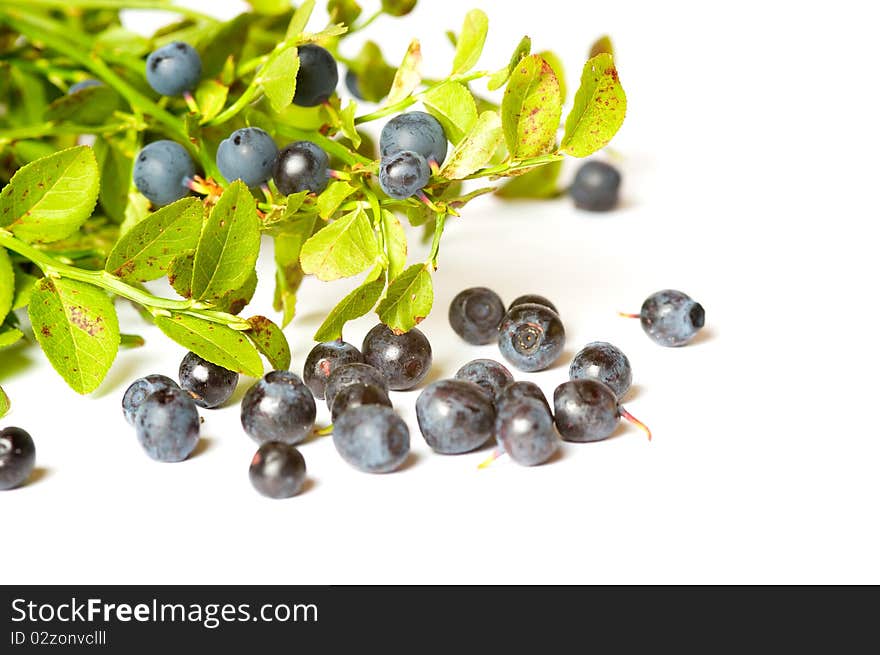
(210, 134)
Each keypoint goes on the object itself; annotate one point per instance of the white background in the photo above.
(750, 160)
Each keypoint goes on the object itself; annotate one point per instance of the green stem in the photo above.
(115, 4)
(516, 165)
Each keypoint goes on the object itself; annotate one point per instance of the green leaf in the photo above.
(395, 244)
(300, 19)
(76, 326)
(476, 149)
(234, 302)
(374, 75)
(4, 403)
(333, 196)
(180, 273)
(602, 45)
(288, 272)
(408, 300)
(531, 109)
(343, 11)
(220, 41)
(398, 7)
(145, 252)
(278, 79)
(270, 340)
(47, 200)
(115, 166)
(354, 305)
(419, 214)
(500, 77)
(9, 336)
(24, 287)
(539, 183)
(7, 284)
(346, 118)
(270, 7)
(92, 105)
(137, 209)
(219, 344)
(344, 248)
(453, 105)
(408, 75)
(117, 40)
(556, 64)
(598, 110)
(229, 245)
(211, 98)
(470, 42)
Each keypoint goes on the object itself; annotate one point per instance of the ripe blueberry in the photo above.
(278, 470)
(323, 358)
(17, 457)
(604, 362)
(596, 186)
(475, 315)
(354, 87)
(671, 318)
(404, 359)
(85, 84)
(279, 407)
(524, 430)
(371, 438)
(416, 131)
(301, 166)
(403, 174)
(358, 395)
(208, 384)
(174, 69)
(248, 155)
(531, 337)
(167, 425)
(348, 374)
(488, 374)
(455, 416)
(162, 170)
(533, 298)
(317, 77)
(140, 389)
(587, 410)
(522, 389)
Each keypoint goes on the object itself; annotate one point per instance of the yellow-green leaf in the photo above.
(344, 248)
(270, 340)
(395, 244)
(408, 74)
(354, 305)
(4, 403)
(531, 109)
(470, 42)
(9, 336)
(598, 110)
(7, 284)
(476, 149)
(408, 300)
(278, 79)
(500, 77)
(333, 196)
(219, 344)
(211, 98)
(300, 19)
(454, 106)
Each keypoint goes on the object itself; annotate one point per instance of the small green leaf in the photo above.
(344, 248)
(119, 41)
(395, 243)
(76, 326)
(219, 344)
(229, 245)
(602, 45)
(7, 284)
(9, 336)
(24, 287)
(453, 105)
(145, 252)
(354, 305)
(288, 272)
(531, 109)
(234, 302)
(47, 200)
(500, 77)
(137, 209)
(4, 403)
(346, 118)
(211, 98)
(408, 300)
(556, 64)
(300, 19)
(408, 75)
(333, 196)
(419, 214)
(278, 79)
(539, 183)
(343, 11)
(470, 42)
(374, 75)
(270, 340)
(476, 149)
(180, 273)
(92, 105)
(270, 7)
(598, 110)
(115, 166)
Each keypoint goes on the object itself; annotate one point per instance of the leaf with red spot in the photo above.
(270, 340)
(598, 111)
(531, 109)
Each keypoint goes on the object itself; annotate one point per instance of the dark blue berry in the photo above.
(17, 457)
(278, 470)
(85, 84)
(140, 389)
(455, 416)
(279, 407)
(372, 438)
(317, 77)
(357, 395)
(161, 171)
(348, 374)
(248, 155)
(404, 359)
(524, 430)
(533, 298)
(596, 186)
(491, 376)
(672, 318)
(323, 358)
(403, 174)
(301, 166)
(167, 425)
(588, 410)
(354, 87)
(531, 337)
(415, 131)
(174, 68)
(208, 384)
(604, 362)
(475, 315)
(522, 389)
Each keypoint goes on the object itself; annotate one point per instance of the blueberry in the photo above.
(671, 318)
(140, 389)
(588, 410)
(317, 77)
(415, 131)
(522, 389)
(301, 166)
(167, 425)
(248, 155)
(475, 315)
(358, 395)
(455, 416)
(604, 362)
(85, 84)
(161, 171)
(524, 430)
(372, 438)
(533, 298)
(348, 374)
(278, 470)
(17, 457)
(531, 337)
(209, 385)
(325, 357)
(403, 174)
(488, 374)
(354, 87)
(174, 68)
(596, 187)
(404, 359)
(279, 407)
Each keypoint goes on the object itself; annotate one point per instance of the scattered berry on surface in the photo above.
(524, 430)
(531, 337)
(533, 298)
(404, 359)
(488, 374)
(279, 407)
(167, 425)
(475, 315)
(278, 470)
(208, 384)
(605, 362)
(596, 186)
(357, 395)
(671, 318)
(588, 410)
(140, 389)
(17, 457)
(323, 358)
(455, 416)
(348, 374)
(372, 438)
(522, 389)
